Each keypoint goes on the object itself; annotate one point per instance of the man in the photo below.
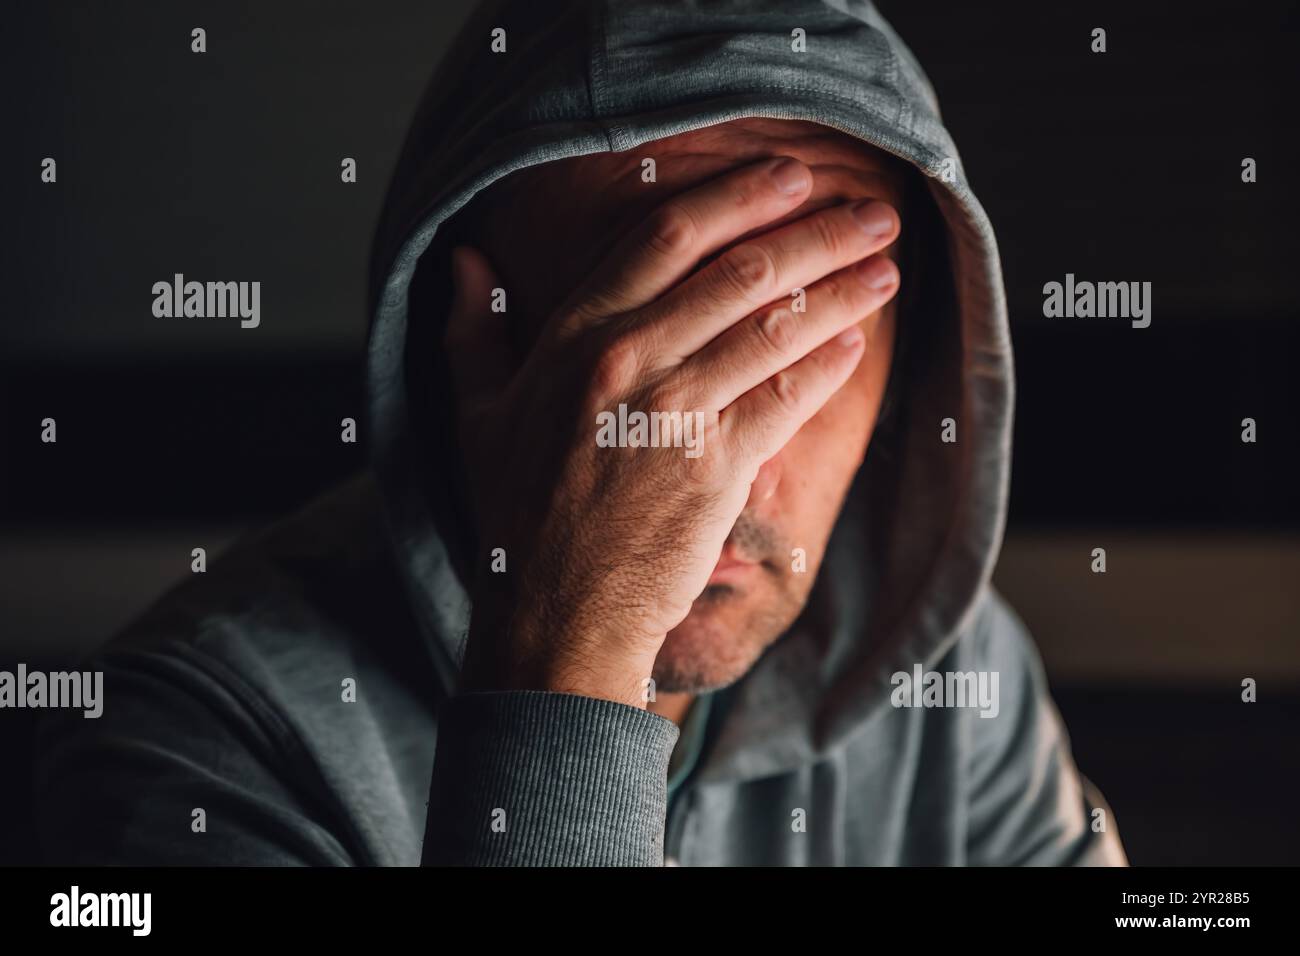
(690, 407)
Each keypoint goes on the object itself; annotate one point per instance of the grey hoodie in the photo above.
(301, 693)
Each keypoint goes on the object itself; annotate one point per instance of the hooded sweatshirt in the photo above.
(297, 704)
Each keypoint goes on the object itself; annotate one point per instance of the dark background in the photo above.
(1120, 166)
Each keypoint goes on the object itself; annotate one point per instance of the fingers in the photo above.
(765, 268)
(677, 235)
(764, 419)
(775, 337)
(476, 339)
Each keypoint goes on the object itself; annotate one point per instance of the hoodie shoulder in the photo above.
(313, 592)
(284, 693)
(1028, 803)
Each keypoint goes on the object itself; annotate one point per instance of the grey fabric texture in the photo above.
(488, 764)
(226, 694)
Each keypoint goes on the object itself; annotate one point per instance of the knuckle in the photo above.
(747, 192)
(774, 329)
(673, 231)
(784, 390)
(829, 235)
(822, 364)
(845, 294)
(668, 395)
(615, 368)
(748, 269)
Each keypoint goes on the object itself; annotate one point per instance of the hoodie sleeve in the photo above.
(1029, 806)
(544, 779)
(188, 764)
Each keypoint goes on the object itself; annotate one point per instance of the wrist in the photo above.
(494, 662)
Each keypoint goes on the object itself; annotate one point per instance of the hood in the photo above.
(912, 552)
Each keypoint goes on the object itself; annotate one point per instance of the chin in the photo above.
(720, 640)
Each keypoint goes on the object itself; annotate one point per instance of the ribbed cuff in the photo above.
(535, 778)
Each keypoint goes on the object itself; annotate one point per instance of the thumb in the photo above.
(476, 340)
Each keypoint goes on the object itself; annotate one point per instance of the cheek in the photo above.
(813, 471)
(838, 434)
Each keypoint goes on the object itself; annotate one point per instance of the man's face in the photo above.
(545, 228)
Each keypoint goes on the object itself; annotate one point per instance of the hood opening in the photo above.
(919, 533)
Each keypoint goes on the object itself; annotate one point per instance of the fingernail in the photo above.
(790, 176)
(850, 338)
(875, 217)
(878, 272)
